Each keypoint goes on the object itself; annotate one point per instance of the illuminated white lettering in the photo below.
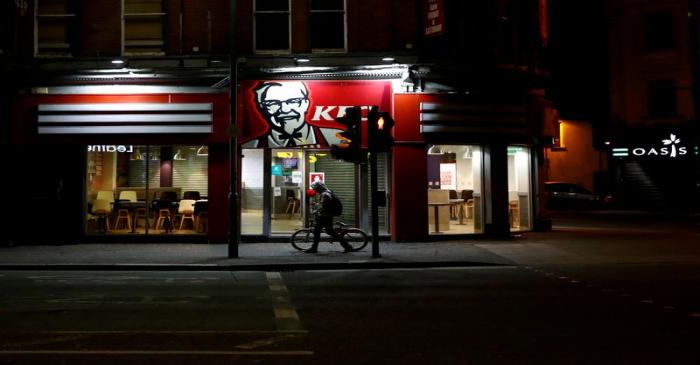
(322, 113)
(638, 152)
(682, 151)
(664, 151)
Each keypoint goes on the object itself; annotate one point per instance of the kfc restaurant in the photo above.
(103, 163)
(460, 165)
(153, 164)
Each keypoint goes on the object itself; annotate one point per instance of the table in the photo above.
(437, 214)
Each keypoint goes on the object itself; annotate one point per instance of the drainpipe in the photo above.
(234, 234)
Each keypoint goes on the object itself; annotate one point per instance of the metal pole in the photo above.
(233, 224)
(375, 207)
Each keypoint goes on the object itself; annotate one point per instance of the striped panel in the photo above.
(125, 118)
(466, 118)
(340, 177)
(192, 174)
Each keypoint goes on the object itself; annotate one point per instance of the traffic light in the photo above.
(379, 125)
(350, 147)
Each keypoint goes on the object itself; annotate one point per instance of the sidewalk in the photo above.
(252, 257)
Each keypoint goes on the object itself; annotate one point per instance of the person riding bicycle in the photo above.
(324, 218)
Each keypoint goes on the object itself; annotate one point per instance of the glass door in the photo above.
(286, 184)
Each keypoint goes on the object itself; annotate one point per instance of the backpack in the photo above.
(334, 206)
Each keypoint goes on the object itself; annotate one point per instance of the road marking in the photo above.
(266, 342)
(286, 317)
(139, 352)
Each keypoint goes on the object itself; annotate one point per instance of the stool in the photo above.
(123, 216)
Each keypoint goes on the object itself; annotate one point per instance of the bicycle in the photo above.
(302, 239)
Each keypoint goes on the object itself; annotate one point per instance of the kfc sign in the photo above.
(281, 114)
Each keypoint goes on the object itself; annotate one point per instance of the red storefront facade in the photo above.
(121, 146)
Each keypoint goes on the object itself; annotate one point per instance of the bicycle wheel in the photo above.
(356, 237)
(302, 239)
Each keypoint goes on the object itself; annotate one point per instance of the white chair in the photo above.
(107, 195)
(186, 211)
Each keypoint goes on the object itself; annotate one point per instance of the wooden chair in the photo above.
(293, 202)
(164, 220)
(186, 210)
(101, 208)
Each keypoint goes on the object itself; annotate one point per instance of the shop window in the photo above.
(143, 27)
(272, 26)
(519, 188)
(658, 31)
(328, 26)
(662, 99)
(55, 27)
(455, 174)
(147, 189)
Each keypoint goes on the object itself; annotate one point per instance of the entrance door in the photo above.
(287, 182)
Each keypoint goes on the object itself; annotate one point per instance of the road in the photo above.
(583, 294)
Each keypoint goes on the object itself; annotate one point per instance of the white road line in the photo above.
(286, 316)
(145, 352)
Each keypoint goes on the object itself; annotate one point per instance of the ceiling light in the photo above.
(303, 60)
(118, 62)
(179, 156)
(388, 59)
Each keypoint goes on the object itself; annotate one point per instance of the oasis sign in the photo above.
(671, 147)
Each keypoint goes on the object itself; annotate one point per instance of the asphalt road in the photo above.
(495, 315)
(602, 288)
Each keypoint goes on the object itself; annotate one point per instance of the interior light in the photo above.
(118, 62)
(388, 59)
(179, 156)
(303, 60)
(434, 150)
(203, 151)
(136, 155)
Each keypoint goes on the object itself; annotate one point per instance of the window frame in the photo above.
(70, 21)
(344, 12)
(287, 50)
(162, 15)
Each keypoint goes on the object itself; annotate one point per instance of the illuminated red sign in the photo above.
(302, 113)
(434, 17)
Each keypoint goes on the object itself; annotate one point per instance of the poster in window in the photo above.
(448, 176)
(317, 176)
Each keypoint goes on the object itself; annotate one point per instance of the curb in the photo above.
(247, 267)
